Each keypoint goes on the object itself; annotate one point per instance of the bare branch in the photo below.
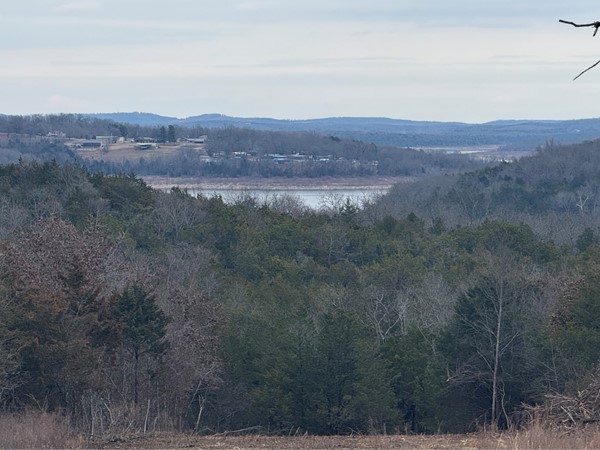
(589, 68)
(596, 25)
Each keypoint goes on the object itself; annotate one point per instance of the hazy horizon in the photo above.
(200, 114)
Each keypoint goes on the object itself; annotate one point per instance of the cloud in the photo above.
(79, 6)
(59, 102)
(254, 5)
(463, 59)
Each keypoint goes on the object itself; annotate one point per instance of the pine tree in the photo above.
(171, 134)
(144, 328)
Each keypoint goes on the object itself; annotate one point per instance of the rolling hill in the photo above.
(517, 134)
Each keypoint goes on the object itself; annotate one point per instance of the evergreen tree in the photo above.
(144, 328)
(488, 347)
(171, 134)
(162, 134)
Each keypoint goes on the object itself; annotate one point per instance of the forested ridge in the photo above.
(444, 306)
(229, 151)
(555, 191)
(393, 132)
(242, 152)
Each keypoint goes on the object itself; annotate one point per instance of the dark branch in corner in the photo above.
(596, 25)
(589, 68)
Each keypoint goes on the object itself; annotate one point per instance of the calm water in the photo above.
(312, 198)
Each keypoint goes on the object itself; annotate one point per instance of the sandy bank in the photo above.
(276, 183)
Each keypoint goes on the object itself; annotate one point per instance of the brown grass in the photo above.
(175, 440)
(44, 430)
(127, 151)
(37, 430)
(536, 437)
(540, 437)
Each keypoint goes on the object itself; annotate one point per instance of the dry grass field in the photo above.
(44, 430)
(127, 151)
(535, 438)
(297, 442)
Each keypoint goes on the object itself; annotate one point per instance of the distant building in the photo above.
(145, 139)
(299, 157)
(107, 140)
(91, 144)
(145, 145)
(279, 158)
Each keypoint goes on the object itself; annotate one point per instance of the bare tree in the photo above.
(432, 306)
(491, 320)
(386, 311)
(10, 347)
(176, 211)
(193, 364)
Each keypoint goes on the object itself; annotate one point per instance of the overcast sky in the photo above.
(449, 60)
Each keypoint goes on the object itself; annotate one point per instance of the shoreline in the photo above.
(276, 183)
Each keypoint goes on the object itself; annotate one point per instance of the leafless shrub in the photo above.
(105, 418)
(569, 413)
(287, 204)
(538, 435)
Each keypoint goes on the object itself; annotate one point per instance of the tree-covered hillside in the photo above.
(520, 134)
(228, 152)
(556, 191)
(240, 152)
(129, 308)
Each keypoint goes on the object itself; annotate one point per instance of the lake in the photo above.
(313, 198)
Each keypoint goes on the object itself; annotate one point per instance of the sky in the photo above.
(443, 60)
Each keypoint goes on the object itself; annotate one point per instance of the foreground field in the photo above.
(127, 151)
(298, 442)
(535, 438)
(35, 429)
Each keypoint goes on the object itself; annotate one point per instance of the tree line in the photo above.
(235, 152)
(555, 191)
(86, 127)
(239, 152)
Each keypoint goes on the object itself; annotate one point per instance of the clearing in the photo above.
(127, 151)
(174, 440)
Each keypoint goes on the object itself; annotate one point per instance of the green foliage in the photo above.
(337, 322)
(162, 135)
(419, 382)
(586, 239)
(171, 134)
(576, 329)
(143, 330)
(519, 238)
(59, 321)
(144, 324)
(323, 379)
(128, 195)
(350, 380)
(491, 356)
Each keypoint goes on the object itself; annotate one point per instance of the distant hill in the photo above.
(386, 131)
(136, 118)
(555, 191)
